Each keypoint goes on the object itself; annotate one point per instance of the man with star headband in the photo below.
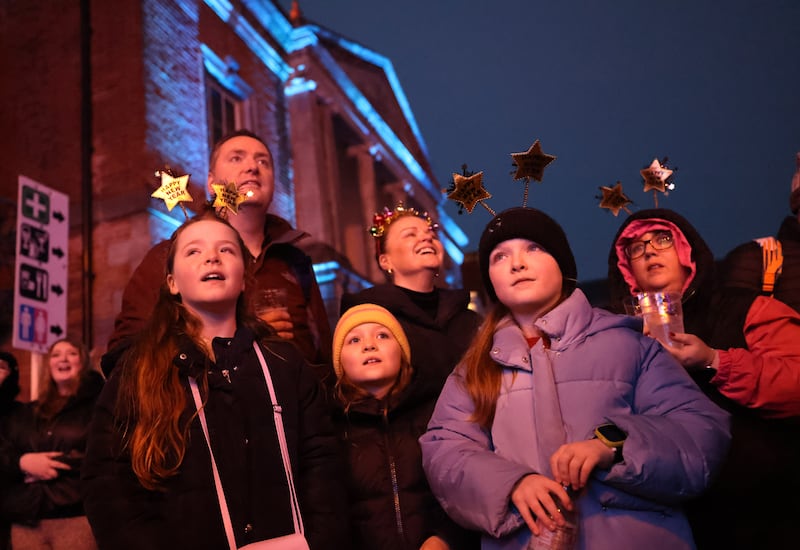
(241, 180)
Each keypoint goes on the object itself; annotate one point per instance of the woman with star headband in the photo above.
(437, 321)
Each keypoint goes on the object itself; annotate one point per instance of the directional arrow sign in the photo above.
(40, 278)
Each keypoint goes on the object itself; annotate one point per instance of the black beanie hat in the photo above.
(536, 226)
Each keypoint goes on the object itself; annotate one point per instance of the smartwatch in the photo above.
(612, 437)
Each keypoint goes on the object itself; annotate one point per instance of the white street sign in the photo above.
(40, 275)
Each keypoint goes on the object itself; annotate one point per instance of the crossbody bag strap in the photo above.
(287, 465)
(276, 409)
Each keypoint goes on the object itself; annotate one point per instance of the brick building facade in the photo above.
(99, 95)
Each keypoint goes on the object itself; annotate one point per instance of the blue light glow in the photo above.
(327, 272)
(384, 63)
(453, 250)
(299, 85)
(222, 8)
(260, 47)
(224, 73)
(171, 225)
(451, 227)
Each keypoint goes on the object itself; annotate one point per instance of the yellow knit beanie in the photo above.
(366, 313)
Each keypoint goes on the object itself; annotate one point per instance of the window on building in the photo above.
(226, 111)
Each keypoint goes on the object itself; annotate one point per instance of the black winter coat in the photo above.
(762, 461)
(186, 514)
(437, 345)
(67, 433)
(391, 505)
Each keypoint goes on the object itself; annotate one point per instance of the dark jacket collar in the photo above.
(191, 360)
(451, 303)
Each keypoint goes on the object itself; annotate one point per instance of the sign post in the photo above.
(41, 271)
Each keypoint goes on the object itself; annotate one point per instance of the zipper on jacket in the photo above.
(393, 474)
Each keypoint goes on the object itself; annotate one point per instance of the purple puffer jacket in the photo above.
(605, 371)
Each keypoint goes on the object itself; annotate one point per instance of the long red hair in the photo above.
(482, 376)
(151, 399)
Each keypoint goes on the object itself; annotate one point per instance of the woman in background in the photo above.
(43, 449)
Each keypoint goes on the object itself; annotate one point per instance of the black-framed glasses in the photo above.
(660, 241)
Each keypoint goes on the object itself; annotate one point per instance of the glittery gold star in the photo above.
(655, 177)
(172, 190)
(468, 190)
(227, 196)
(532, 162)
(614, 199)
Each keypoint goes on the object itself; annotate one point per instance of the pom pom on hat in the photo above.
(366, 313)
(536, 226)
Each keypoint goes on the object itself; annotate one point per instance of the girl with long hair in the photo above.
(560, 411)
(153, 454)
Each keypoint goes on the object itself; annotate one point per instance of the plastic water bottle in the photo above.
(565, 537)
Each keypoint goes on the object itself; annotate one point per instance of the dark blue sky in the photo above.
(606, 86)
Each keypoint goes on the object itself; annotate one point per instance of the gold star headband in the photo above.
(467, 188)
(614, 199)
(658, 178)
(173, 190)
(227, 198)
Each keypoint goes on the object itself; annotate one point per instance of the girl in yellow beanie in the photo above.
(380, 415)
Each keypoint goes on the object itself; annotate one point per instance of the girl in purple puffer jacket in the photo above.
(557, 402)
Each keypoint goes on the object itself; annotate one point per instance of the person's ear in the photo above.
(385, 263)
(172, 285)
(211, 180)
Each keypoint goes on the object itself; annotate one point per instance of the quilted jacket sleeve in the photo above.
(677, 438)
(472, 483)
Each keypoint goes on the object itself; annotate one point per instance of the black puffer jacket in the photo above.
(762, 462)
(437, 345)
(186, 513)
(391, 505)
(66, 432)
